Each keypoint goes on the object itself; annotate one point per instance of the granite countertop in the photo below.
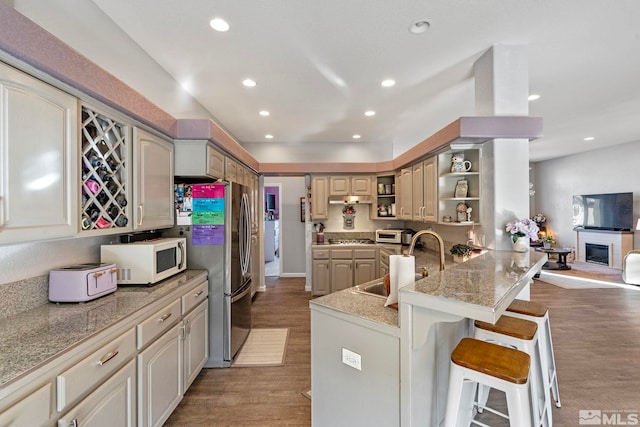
(482, 281)
(34, 337)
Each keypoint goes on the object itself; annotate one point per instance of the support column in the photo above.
(502, 89)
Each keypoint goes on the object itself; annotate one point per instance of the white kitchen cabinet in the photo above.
(341, 274)
(198, 159)
(404, 186)
(271, 238)
(417, 178)
(38, 159)
(319, 197)
(345, 185)
(111, 404)
(425, 197)
(33, 410)
(321, 271)
(160, 378)
(153, 177)
(196, 342)
(230, 170)
(365, 271)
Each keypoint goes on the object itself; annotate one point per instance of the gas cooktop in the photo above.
(351, 241)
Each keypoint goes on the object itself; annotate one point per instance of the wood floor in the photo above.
(596, 336)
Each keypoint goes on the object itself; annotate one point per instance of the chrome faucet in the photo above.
(438, 238)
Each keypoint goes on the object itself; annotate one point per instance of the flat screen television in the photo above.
(270, 202)
(612, 211)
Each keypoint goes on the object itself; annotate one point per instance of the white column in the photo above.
(502, 89)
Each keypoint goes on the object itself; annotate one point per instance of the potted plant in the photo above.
(548, 241)
(461, 252)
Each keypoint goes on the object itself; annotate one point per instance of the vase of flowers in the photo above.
(521, 232)
(548, 241)
(461, 252)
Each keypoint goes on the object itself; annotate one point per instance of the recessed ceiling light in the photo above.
(249, 83)
(219, 24)
(388, 83)
(356, 136)
(369, 113)
(589, 138)
(268, 136)
(533, 97)
(419, 26)
(264, 113)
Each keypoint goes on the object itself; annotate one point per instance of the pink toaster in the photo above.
(82, 282)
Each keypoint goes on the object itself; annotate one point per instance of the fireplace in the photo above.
(597, 254)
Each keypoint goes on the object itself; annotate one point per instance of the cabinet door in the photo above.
(321, 277)
(153, 177)
(319, 197)
(365, 270)
(361, 185)
(430, 190)
(339, 185)
(406, 194)
(111, 404)
(416, 191)
(215, 162)
(33, 410)
(341, 274)
(196, 342)
(231, 170)
(160, 378)
(38, 159)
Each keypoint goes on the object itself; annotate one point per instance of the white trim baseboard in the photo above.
(293, 274)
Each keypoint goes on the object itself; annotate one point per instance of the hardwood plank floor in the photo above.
(596, 336)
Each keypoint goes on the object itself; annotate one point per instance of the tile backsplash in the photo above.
(23, 295)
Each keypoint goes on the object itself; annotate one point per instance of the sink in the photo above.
(376, 289)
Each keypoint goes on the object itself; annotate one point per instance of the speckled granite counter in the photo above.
(32, 338)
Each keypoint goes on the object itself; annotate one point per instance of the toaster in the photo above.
(82, 282)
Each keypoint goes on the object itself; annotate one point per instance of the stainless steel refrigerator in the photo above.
(215, 220)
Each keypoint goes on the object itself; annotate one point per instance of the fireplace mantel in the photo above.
(618, 242)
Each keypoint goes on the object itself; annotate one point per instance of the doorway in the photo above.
(272, 209)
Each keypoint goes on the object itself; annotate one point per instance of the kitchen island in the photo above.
(372, 365)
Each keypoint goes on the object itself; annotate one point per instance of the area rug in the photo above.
(585, 275)
(264, 347)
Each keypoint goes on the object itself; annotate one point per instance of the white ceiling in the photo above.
(318, 66)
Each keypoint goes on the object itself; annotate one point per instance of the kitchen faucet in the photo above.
(438, 238)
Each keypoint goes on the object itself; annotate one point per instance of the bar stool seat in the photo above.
(479, 362)
(539, 313)
(522, 335)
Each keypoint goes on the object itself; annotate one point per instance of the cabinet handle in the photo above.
(197, 294)
(140, 214)
(108, 357)
(164, 317)
(73, 423)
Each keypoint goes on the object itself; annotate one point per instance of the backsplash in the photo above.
(23, 295)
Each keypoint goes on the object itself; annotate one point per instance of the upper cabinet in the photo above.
(153, 175)
(198, 159)
(38, 159)
(425, 190)
(231, 170)
(345, 185)
(459, 183)
(319, 197)
(404, 186)
(385, 206)
(105, 160)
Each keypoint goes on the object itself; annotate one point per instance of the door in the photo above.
(196, 342)
(365, 270)
(341, 274)
(430, 196)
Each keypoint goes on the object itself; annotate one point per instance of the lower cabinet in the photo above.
(196, 342)
(160, 378)
(33, 410)
(111, 404)
(338, 269)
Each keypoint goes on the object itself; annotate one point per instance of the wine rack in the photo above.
(104, 172)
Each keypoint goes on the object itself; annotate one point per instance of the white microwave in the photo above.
(388, 236)
(146, 262)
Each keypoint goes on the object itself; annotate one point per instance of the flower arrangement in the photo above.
(461, 250)
(522, 228)
(539, 219)
(549, 239)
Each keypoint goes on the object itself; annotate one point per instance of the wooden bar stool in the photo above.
(476, 362)
(540, 314)
(522, 335)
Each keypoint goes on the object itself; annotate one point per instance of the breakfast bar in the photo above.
(435, 312)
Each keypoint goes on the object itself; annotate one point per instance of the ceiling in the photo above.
(319, 66)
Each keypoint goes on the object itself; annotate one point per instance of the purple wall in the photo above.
(276, 191)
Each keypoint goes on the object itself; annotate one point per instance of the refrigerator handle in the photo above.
(243, 234)
(247, 232)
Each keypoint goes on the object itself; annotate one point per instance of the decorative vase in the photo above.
(460, 258)
(521, 244)
(546, 245)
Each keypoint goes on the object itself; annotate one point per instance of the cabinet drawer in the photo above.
(158, 323)
(94, 369)
(341, 253)
(194, 297)
(320, 254)
(364, 253)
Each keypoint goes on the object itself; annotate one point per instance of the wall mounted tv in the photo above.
(270, 202)
(612, 211)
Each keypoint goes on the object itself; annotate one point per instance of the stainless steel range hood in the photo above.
(350, 200)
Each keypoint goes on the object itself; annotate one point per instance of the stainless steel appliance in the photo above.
(407, 236)
(219, 240)
(389, 236)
